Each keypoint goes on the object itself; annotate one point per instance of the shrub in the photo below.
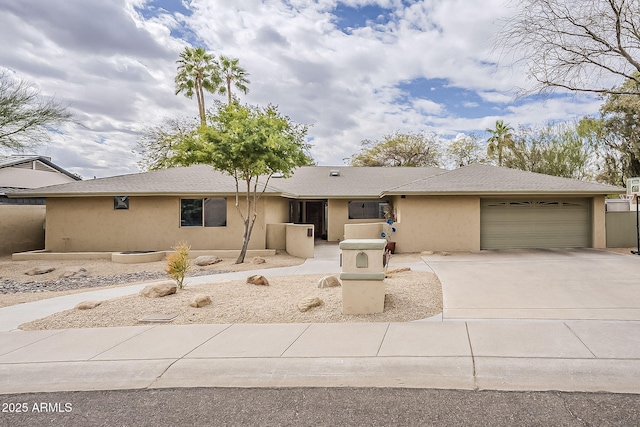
(178, 263)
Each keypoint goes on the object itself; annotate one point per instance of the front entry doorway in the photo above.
(311, 212)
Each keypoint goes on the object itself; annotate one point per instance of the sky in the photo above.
(351, 70)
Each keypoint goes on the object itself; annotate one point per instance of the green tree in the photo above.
(250, 144)
(620, 116)
(158, 145)
(197, 72)
(611, 165)
(501, 138)
(464, 150)
(26, 118)
(231, 74)
(399, 149)
(558, 150)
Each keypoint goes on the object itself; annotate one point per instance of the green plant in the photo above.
(178, 263)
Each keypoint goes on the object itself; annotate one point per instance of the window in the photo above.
(367, 209)
(210, 212)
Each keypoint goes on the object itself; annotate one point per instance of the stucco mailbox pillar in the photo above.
(362, 276)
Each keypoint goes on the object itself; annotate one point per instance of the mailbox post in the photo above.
(362, 276)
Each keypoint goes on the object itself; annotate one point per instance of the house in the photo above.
(468, 209)
(22, 219)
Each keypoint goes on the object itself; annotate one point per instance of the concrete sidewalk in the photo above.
(493, 355)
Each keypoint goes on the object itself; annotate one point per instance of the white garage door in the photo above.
(518, 223)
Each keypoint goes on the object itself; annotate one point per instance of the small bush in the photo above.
(178, 263)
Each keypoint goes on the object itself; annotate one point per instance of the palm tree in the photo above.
(197, 72)
(501, 138)
(231, 72)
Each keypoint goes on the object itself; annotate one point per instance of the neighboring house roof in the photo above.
(319, 182)
(17, 160)
(486, 179)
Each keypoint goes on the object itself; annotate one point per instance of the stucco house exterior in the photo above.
(467, 209)
(22, 219)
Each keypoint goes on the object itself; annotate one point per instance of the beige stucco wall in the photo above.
(21, 228)
(598, 223)
(338, 211)
(150, 223)
(447, 223)
(298, 242)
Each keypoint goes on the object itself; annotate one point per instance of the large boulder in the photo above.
(205, 260)
(308, 303)
(258, 260)
(87, 305)
(328, 282)
(40, 270)
(159, 289)
(200, 300)
(258, 280)
(74, 273)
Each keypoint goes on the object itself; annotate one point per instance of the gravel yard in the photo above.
(410, 295)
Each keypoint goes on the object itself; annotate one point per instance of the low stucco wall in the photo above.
(437, 223)
(90, 224)
(21, 228)
(364, 231)
(277, 236)
(299, 243)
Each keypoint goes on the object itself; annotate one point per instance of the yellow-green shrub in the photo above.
(178, 263)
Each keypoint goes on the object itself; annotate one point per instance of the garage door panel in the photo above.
(535, 223)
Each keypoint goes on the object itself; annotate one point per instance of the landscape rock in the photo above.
(40, 270)
(87, 305)
(204, 260)
(159, 289)
(426, 253)
(258, 280)
(74, 273)
(200, 300)
(328, 282)
(258, 260)
(308, 303)
(444, 253)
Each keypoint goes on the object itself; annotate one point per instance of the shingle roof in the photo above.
(486, 179)
(317, 182)
(8, 161)
(194, 180)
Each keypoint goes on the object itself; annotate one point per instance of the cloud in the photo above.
(114, 63)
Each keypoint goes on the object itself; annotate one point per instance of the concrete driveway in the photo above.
(539, 284)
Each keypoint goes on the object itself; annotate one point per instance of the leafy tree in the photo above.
(26, 118)
(557, 150)
(579, 45)
(611, 165)
(197, 72)
(399, 149)
(232, 73)
(501, 138)
(250, 144)
(621, 126)
(158, 145)
(465, 150)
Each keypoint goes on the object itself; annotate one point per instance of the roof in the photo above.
(486, 179)
(193, 180)
(14, 160)
(318, 181)
(312, 182)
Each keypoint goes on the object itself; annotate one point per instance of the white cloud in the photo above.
(116, 68)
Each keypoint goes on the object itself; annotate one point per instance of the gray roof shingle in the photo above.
(317, 182)
(486, 179)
